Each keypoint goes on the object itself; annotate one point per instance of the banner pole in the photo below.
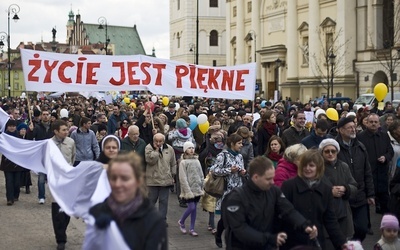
(151, 112)
(29, 106)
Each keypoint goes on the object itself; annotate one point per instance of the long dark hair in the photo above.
(280, 141)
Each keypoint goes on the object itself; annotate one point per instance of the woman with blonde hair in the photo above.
(140, 224)
(287, 166)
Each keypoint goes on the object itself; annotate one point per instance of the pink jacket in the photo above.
(284, 171)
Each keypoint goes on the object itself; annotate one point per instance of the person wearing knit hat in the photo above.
(389, 238)
(338, 176)
(355, 155)
(191, 186)
(187, 145)
(181, 123)
(22, 126)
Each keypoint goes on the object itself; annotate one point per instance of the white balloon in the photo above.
(177, 105)
(63, 113)
(154, 99)
(23, 94)
(202, 118)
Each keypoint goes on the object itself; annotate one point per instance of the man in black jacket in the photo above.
(249, 212)
(380, 153)
(354, 153)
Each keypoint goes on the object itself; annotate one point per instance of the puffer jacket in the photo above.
(284, 171)
(247, 152)
(160, 166)
(356, 156)
(191, 177)
(178, 137)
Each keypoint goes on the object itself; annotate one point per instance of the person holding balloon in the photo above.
(144, 123)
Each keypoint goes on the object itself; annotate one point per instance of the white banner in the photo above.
(45, 71)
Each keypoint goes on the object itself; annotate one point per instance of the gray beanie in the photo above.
(329, 142)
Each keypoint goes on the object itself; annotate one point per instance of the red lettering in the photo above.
(61, 71)
(49, 68)
(122, 71)
(200, 78)
(79, 70)
(193, 84)
(131, 73)
(240, 79)
(144, 66)
(227, 79)
(36, 67)
(212, 78)
(159, 68)
(90, 73)
(180, 71)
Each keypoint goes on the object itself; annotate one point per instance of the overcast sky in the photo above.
(38, 17)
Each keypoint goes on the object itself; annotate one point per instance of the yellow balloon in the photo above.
(245, 101)
(332, 114)
(127, 100)
(165, 101)
(133, 105)
(380, 91)
(204, 127)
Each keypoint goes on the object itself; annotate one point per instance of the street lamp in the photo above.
(3, 36)
(253, 36)
(192, 48)
(103, 21)
(14, 9)
(332, 62)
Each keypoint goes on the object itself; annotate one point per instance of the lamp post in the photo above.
(103, 21)
(197, 34)
(332, 62)
(14, 9)
(278, 63)
(192, 48)
(254, 37)
(3, 36)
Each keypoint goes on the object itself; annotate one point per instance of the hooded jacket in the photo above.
(284, 171)
(191, 177)
(178, 137)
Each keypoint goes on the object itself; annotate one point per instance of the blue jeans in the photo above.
(12, 184)
(161, 194)
(41, 181)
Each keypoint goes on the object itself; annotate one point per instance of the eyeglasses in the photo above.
(330, 151)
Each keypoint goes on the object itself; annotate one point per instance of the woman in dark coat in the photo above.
(339, 178)
(313, 198)
(12, 171)
(266, 128)
(26, 180)
(139, 223)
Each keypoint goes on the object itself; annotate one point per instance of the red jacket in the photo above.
(284, 171)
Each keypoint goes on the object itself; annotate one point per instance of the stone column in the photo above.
(314, 32)
(228, 36)
(370, 25)
(240, 35)
(255, 25)
(397, 23)
(292, 41)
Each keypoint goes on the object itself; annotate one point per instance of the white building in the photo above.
(304, 34)
(211, 46)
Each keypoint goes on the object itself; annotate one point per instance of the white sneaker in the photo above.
(41, 201)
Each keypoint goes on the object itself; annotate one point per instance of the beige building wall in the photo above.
(183, 14)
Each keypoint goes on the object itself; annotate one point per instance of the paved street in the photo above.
(27, 225)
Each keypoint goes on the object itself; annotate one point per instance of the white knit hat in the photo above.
(187, 145)
(327, 142)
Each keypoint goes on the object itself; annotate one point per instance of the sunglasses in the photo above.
(332, 151)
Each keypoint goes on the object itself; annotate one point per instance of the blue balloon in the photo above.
(263, 104)
(193, 122)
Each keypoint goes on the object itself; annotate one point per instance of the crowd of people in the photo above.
(289, 182)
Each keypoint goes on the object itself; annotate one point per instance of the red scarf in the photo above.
(274, 156)
(270, 127)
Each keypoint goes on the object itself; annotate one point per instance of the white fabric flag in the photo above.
(75, 189)
(3, 119)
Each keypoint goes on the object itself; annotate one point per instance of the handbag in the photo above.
(215, 185)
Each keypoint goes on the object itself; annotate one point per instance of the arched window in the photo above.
(214, 38)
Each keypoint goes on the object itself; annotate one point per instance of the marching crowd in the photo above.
(289, 182)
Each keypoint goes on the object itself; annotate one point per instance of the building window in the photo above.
(214, 38)
(213, 3)
(234, 11)
(178, 4)
(178, 38)
(329, 42)
(214, 63)
(16, 75)
(249, 7)
(16, 85)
